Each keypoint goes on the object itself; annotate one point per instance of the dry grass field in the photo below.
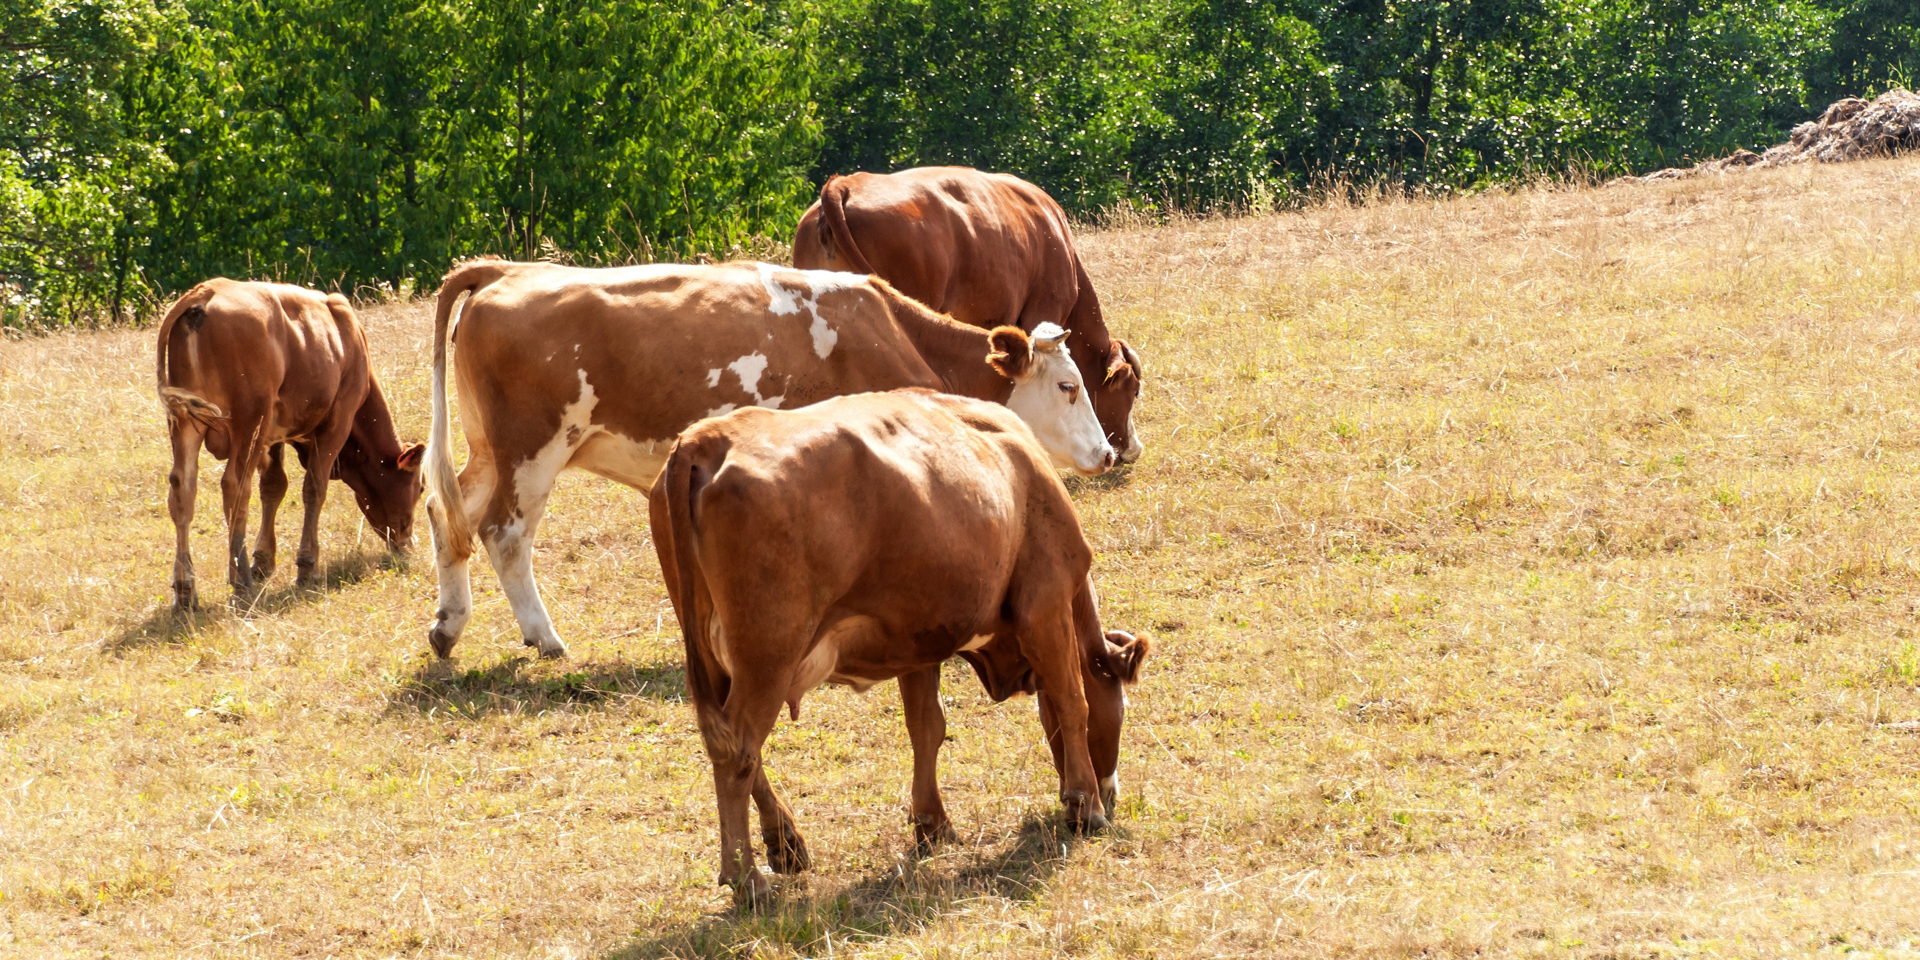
(1533, 574)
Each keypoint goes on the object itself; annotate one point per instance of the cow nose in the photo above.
(1106, 462)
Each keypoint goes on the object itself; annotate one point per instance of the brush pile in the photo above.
(1851, 129)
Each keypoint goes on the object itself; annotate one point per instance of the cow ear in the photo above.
(1012, 352)
(1125, 654)
(1117, 360)
(411, 457)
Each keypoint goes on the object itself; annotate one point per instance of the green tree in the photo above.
(1052, 90)
(1237, 103)
(1875, 46)
(70, 177)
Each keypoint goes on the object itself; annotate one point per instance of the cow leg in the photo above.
(327, 443)
(236, 489)
(786, 848)
(508, 532)
(1055, 663)
(927, 728)
(753, 704)
(273, 489)
(183, 482)
(450, 559)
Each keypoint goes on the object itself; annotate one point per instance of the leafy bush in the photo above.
(149, 144)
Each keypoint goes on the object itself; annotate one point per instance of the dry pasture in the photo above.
(1533, 574)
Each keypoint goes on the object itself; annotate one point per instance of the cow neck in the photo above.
(373, 426)
(957, 354)
(1090, 341)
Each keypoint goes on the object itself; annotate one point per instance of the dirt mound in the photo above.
(1852, 129)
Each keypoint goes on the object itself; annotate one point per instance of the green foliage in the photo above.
(1048, 88)
(1237, 104)
(70, 180)
(149, 144)
(343, 142)
(1875, 46)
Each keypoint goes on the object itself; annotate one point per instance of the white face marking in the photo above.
(1061, 419)
(783, 301)
(977, 642)
(1111, 784)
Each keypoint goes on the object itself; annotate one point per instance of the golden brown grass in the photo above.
(1533, 574)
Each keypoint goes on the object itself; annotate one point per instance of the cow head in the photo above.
(1107, 669)
(387, 488)
(1113, 399)
(1051, 397)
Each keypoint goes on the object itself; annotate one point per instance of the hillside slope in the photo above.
(1532, 574)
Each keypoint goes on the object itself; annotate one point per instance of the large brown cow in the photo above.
(873, 537)
(598, 370)
(247, 368)
(988, 249)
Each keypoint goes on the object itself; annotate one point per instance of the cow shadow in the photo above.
(164, 625)
(1116, 479)
(891, 903)
(515, 685)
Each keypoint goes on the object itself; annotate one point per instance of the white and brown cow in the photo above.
(599, 370)
(872, 537)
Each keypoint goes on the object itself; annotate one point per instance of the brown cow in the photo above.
(246, 368)
(598, 370)
(873, 537)
(988, 249)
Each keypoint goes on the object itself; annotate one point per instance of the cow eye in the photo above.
(1072, 391)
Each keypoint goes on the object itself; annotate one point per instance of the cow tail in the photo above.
(443, 484)
(833, 213)
(180, 404)
(691, 604)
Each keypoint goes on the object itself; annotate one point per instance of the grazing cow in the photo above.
(247, 368)
(873, 537)
(986, 248)
(598, 370)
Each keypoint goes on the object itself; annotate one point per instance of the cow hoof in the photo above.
(930, 832)
(753, 891)
(185, 599)
(262, 565)
(309, 575)
(556, 652)
(1079, 818)
(441, 641)
(786, 850)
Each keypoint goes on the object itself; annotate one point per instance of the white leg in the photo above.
(511, 548)
(456, 586)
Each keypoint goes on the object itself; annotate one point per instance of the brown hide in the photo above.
(869, 538)
(986, 248)
(244, 369)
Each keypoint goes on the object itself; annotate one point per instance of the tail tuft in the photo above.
(186, 405)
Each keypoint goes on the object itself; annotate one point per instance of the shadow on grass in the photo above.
(1113, 479)
(163, 625)
(899, 902)
(519, 685)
